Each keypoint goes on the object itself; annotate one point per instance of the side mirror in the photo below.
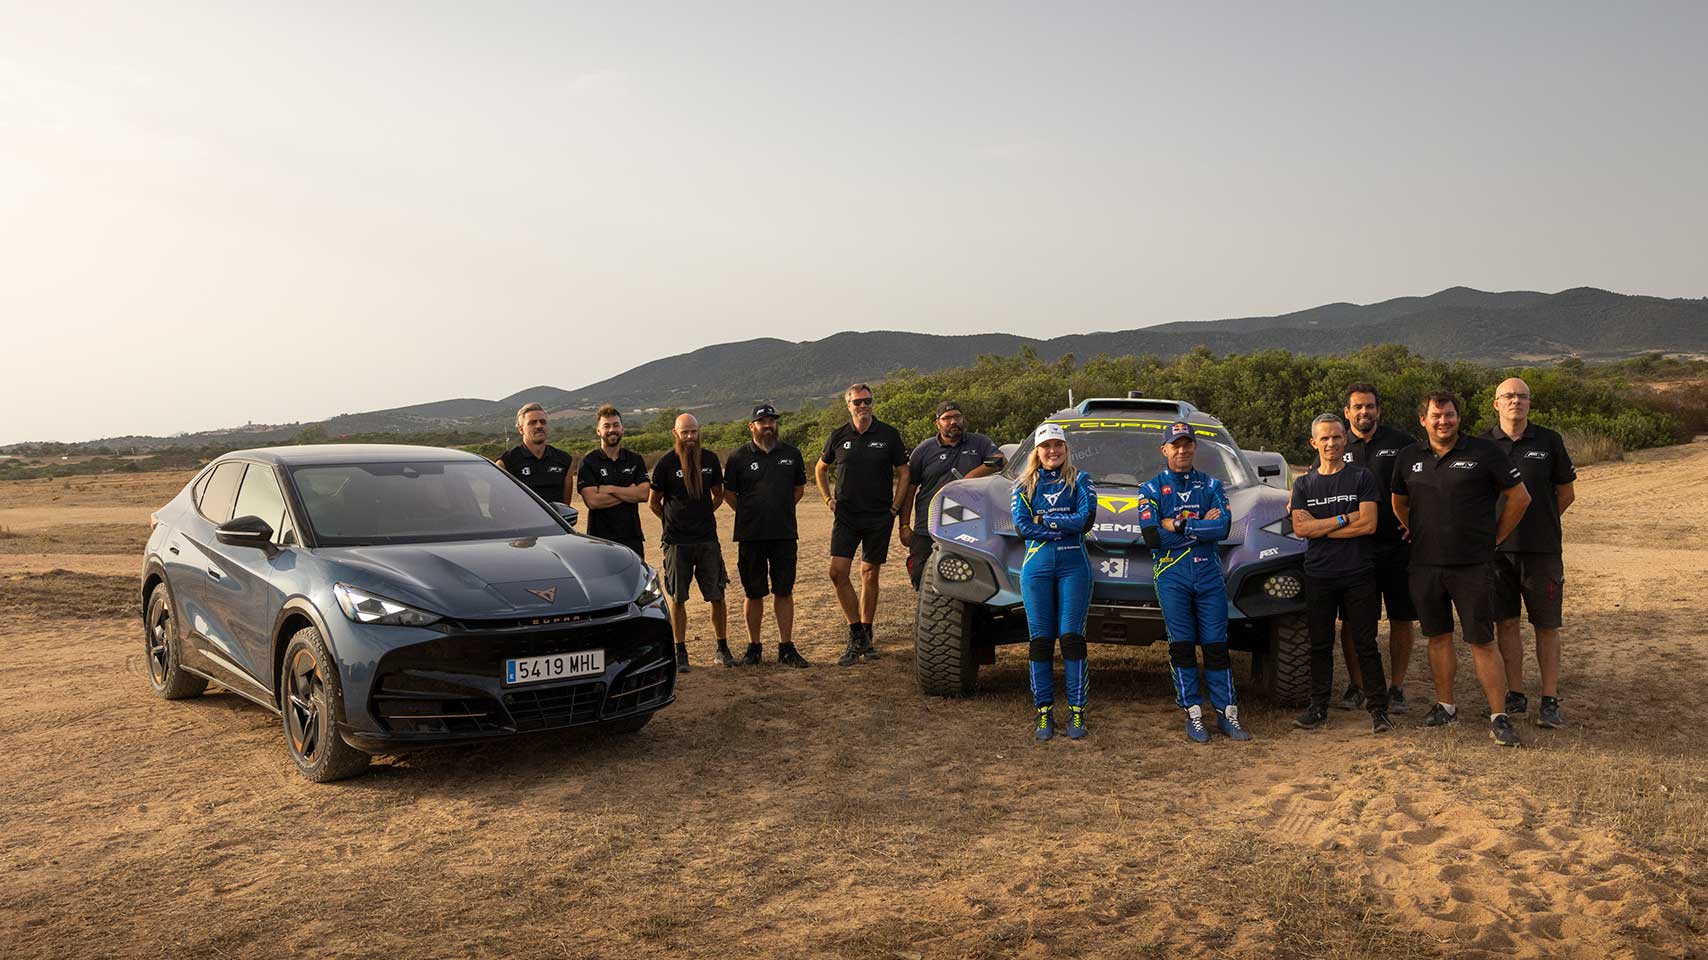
(246, 532)
(1269, 471)
(1009, 450)
(569, 514)
(1271, 468)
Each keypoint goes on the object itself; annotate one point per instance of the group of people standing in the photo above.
(1419, 528)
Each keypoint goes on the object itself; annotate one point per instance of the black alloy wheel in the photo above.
(160, 651)
(308, 685)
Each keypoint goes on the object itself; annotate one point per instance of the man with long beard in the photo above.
(762, 483)
(687, 486)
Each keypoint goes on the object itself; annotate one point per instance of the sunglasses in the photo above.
(861, 401)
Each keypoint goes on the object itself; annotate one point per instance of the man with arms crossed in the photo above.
(1373, 447)
(1446, 490)
(1528, 565)
(954, 454)
(687, 486)
(1334, 509)
(541, 467)
(763, 481)
(613, 483)
(871, 474)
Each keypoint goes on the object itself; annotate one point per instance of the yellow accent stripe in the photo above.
(1167, 561)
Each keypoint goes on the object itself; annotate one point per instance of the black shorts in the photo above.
(1534, 578)
(766, 566)
(871, 536)
(689, 563)
(918, 551)
(1469, 589)
(1393, 581)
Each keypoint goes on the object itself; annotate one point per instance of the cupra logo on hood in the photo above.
(548, 594)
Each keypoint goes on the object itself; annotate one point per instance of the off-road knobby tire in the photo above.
(1283, 671)
(333, 758)
(176, 682)
(943, 644)
(625, 725)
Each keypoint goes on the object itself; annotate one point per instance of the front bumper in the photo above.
(406, 687)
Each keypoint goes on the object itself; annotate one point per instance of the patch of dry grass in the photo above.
(1587, 448)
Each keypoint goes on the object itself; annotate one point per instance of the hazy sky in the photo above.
(223, 213)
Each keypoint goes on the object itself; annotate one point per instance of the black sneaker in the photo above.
(1314, 716)
(1502, 732)
(1379, 722)
(851, 654)
(1550, 716)
(1397, 701)
(1517, 704)
(789, 656)
(1352, 699)
(682, 658)
(1439, 717)
(753, 655)
(869, 646)
(723, 655)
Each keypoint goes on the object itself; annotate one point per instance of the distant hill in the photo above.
(720, 381)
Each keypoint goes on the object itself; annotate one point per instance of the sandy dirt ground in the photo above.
(837, 812)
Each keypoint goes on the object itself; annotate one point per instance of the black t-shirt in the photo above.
(865, 469)
(1377, 456)
(544, 475)
(621, 522)
(1454, 499)
(934, 464)
(1540, 455)
(1327, 496)
(688, 520)
(764, 487)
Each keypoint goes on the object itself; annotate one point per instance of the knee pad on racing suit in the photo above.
(1183, 664)
(1044, 648)
(1216, 657)
(1183, 655)
(1073, 646)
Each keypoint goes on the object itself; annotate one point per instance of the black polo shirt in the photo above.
(865, 470)
(935, 463)
(544, 474)
(627, 469)
(1540, 456)
(1377, 456)
(686, 519)
(1454, 499)
(764, 486)
(1327, 496)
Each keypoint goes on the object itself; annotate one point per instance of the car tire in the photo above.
(309, 696)
(161, 644)
(625, 725)
(943, 643)
(1282, 672)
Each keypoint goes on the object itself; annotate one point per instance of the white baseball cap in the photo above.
(1048, 431)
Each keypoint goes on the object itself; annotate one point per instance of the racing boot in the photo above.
(1078, 685)
(755, 653)
(789, 656)
(1228, 720)
(1046, 725)
(1076, 728)
(682, 658)
(1195, 729)
(723, 655)
(851, 653)
(869, 646)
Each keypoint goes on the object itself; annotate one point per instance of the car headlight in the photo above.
(1282, 586)
(954, 569)
(1281, 528)
(650, 592)
(364, 607)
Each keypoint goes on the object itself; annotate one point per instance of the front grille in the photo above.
(555, 706)
(639, 689)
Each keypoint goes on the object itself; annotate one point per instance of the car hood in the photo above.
(484, 579)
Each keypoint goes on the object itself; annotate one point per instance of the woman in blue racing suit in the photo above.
(1053, 506)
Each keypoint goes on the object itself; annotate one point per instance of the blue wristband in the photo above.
(1341, 517)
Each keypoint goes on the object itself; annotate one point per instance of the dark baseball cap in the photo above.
(763, 411)
(1176, 430)
(945, 407)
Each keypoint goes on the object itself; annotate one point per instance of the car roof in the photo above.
(1150, 410)
(351, 453)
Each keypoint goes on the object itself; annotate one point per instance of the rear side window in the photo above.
(221, 491)
(260, 497)
(201, 485)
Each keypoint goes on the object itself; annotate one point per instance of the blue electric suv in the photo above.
(380, 598)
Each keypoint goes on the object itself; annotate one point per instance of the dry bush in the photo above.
(1586, 447)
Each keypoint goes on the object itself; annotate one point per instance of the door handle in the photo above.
(172, 550)
(215, 574)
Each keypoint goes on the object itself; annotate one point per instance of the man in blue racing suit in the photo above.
(1183, 514)
(1053, 504)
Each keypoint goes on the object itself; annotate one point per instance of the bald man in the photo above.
(687, 486)
(1528, 568)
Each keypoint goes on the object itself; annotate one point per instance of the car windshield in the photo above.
(1117, 454)
(356, 504)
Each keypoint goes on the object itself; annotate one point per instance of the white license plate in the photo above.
(557, 666)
